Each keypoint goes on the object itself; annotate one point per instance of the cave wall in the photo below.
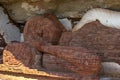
(22, 10)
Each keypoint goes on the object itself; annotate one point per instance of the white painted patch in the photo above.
(22, 38)
(111, 68)
(28, 7)
(32, 9)
(106, 17)
(9, 31)
(67, 23)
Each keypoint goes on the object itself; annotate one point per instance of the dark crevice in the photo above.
(21, 26)
(18, 25)
(41, 60)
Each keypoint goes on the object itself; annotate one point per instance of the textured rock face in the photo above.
(53, 63)
(17, 54)
(47, 28)
(111, 68)
(75, 9)
(9, 31)
(24, 9)
(79, 60)
(21, 11)
(102, 40)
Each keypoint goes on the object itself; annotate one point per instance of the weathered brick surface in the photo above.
(46, 27)
(54, 63)
(17, 54)
(79, 60)
(101, 39)
(50, 62)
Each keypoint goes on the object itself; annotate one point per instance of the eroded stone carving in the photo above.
(79, 60)
(48, 28)
(22, 58)
(54, 63)
(21, 54)
(94, 36)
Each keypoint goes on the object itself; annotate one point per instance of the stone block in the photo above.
(46, 27)
(103, 40)
(21, 54)
(79, 60)
(53, 63)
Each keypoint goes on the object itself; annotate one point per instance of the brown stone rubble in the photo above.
(54, 63)
(46, 27)
(17, 54)
(102, 40)
(79, 60)
(42, 35)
